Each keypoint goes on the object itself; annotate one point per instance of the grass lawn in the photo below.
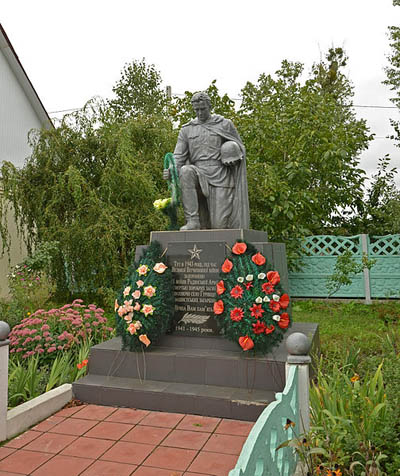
(350, 324)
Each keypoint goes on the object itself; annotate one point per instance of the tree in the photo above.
(303, 142)
(379, 212)
(138, 92)
(89, 185)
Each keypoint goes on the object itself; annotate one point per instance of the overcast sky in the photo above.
(74, 50)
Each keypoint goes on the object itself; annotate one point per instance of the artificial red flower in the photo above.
(220, 287)
(259, 327)
(273, 277)
(274, 306)
(237, 292)
(258, 259)
(267, 288)
(284, 301)
(269, 329)
(248, 285)
(227, 266)
(218, 307)
(256, 310)
(239, 248)
(284, 321)
(237, 314)
(246, 342)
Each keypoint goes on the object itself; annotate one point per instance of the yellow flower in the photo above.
(354, 378)
(161, 203)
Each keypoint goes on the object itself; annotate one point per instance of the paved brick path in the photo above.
(92, 440)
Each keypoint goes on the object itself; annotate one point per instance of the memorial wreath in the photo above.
(144, 307)
(251, 306)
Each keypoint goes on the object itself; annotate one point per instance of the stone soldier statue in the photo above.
(211, 162)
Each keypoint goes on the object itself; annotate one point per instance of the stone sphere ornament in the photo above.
(4, 330)
(298, 344)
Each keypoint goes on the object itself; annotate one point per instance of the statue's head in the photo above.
(201, 103)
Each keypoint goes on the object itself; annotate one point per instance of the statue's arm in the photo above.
(181, 152)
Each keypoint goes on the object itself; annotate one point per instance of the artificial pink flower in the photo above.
(127, 290)
(136, 307)
(139, 283)
(160, 268)
(143, 270)
(149, 291)
(148, 309)
(144, 340)
(136, 294)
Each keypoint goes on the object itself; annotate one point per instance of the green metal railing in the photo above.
(259, 456)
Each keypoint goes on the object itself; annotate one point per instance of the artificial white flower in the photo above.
(240, 279)
(276, 317)
(249, 277)
(275, 297)
(266, 299)
(261, 276)
(259, 300)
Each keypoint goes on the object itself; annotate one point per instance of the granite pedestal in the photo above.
(194, 369)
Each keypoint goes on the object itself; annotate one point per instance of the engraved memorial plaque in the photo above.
(195, 267)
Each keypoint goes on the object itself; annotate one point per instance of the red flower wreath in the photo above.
(261, 319)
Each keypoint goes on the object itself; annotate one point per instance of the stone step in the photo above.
(200, 375)
(206, 400)
(198, 360)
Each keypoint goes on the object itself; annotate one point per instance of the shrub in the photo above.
(45, 333)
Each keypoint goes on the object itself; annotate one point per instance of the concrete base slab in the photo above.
(206, 376)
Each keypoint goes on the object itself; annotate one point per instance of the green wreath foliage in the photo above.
(145, 305)
(251, 306)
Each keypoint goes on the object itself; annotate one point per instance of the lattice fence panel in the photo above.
(330, 245)
(384, 245)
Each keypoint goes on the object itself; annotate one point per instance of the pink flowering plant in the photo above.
(145, 305)
(47, 333)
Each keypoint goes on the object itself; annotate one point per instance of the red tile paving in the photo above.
(94, 440)
(146, 434)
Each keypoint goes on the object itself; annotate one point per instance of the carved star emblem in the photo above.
(195, 252)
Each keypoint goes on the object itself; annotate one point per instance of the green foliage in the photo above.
(29, 284)
(251, 307)
(138, 92)
(371, 334)
(303, 143)
(379, 212)
(145, 305)
(346, 268)
(29, 379)
(24, 382)
(91, 187)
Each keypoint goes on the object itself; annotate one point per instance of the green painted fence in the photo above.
(259, 456)
(320, 253)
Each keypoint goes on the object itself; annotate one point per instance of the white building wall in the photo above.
(17, 117)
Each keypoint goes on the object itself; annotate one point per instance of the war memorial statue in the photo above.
(211, 162)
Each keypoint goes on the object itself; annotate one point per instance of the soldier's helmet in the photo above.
(230, 152)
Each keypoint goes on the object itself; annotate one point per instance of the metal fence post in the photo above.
(367, 285)
(298, 346)
(4, 343)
